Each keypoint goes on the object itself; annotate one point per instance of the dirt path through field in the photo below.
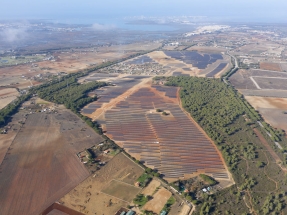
(276, 183)
(107, 106)
(269, 149)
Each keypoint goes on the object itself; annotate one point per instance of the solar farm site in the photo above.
(196, 59)
(173, 144)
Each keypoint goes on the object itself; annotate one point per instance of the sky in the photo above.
(271, 11)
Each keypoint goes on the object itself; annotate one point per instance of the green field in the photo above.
(10, 61)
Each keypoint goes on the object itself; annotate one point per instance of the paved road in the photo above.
(235, 66)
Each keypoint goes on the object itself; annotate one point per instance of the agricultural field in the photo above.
(166, 139)
(159, 200)
(41, 165)
(270, 66)
(68, 61)
(121, 190)
(7, 95)
(151, 187)
(260, 83)
(272, 110)
(9, 61)
(105, 190)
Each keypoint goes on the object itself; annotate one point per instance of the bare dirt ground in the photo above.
(179, 209)
(206, 49)
(69, 62)
(151, 187)
(271, 109)
(159, 200)
(7, 95)
(41, 165)
(89, 198)
(270, 66)
(267, 102)
(185, 210)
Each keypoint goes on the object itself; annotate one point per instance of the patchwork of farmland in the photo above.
(270, 66)
(172, 143)
(41, 163)
(260, 82)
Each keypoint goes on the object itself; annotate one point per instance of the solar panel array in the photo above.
(220, 67)
(196, 59)
(172, 144)
(141, 60)
(111, 92)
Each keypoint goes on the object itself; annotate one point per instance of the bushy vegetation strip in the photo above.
(231, 122)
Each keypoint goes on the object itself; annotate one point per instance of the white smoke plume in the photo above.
(13, 34)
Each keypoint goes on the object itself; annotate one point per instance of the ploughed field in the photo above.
(173, 144)
(41, 164)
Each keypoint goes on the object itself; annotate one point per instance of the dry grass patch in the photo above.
(121, 190)
(149, 190)
(159, 200)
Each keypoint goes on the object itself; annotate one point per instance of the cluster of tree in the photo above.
(144, 179)
(69, 92)
(212, 103)
(12, 108)
(248, 183)
(211, 181)
(230, 154)
(141, 200)
(152, 172)
(273, 205)
(205, 209)
(168, 204)
(249, 152)
(216, 105)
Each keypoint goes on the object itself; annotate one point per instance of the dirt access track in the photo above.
(41, 164)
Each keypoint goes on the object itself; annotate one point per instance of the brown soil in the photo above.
(88, 197)
(267, 102)
(271, 109)
(149, 190)
(159, 200)
(41, 165)
(7, 95)
(270, 66)
(56, 209)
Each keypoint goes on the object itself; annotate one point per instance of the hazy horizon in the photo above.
(74, 11)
